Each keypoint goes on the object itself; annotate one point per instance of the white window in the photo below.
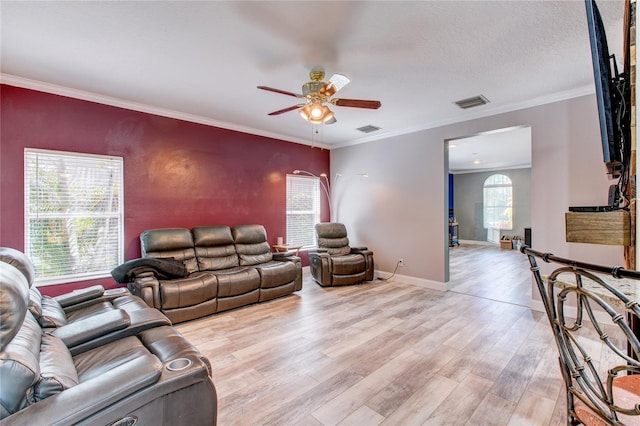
(73, 214)
(498, 202)
(303, 210)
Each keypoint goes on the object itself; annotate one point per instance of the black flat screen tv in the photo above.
(612, 94)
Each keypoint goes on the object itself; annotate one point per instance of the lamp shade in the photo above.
(316, 113)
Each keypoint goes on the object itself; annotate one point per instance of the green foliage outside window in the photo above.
(73, 214)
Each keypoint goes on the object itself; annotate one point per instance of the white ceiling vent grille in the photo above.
(472, 102)
(368, 129)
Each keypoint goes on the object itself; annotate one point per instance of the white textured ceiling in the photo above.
(498, 149)
(203, 60)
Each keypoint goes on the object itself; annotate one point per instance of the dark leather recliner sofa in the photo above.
(150, 375)
(224, 268)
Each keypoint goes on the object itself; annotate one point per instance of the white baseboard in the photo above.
(478, 243)
(418, 282)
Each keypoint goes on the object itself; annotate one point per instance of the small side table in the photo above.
(286, 247)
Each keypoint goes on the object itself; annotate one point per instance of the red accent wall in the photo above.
(177, 173)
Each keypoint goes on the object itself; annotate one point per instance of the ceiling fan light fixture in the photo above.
(305, 112)
(318, 110)
(316, 113)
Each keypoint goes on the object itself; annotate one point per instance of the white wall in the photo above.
(400, 210)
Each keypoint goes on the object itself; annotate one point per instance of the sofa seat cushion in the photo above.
(192, 290)
(349, 264)
(274, 274)
(102, 359)
(236, 281)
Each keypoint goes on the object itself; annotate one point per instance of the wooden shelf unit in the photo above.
(611, 228)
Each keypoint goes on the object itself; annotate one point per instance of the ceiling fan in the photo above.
(316, 93)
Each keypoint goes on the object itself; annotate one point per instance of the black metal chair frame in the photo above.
(581, 377)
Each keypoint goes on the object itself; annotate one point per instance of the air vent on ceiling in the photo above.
(368, 129)
(472, 102)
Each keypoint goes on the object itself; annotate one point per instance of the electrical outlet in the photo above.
(401, 262)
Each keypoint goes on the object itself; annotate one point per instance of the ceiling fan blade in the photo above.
(335, 83)
(282, 92)
(282, 111)
(357, 103)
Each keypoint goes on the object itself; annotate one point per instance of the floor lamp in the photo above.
(324, 182)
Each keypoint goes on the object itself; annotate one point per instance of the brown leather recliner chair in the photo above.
(334, 262)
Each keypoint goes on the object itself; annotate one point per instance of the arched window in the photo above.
(498, 202)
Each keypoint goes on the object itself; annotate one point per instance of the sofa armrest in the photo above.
(147, 287)
(283, 255)
(286, 256)
(89, 398)
(359, 249)
(368, 258)
(80, 295)
(140, 320)
(320, 266)
(83, 330)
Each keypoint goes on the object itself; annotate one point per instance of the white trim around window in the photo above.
(74, 214)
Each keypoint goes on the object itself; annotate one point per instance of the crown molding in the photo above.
(482, 113)
(40, 86)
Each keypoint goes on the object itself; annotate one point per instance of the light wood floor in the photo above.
(489, 272)
(389, 353)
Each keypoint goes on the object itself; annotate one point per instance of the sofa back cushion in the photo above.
(46, 310)
(333, 237)
(14, 302)
(57, 371)
(215, 248)
(170, 243)
(20, 261)
(251, 244)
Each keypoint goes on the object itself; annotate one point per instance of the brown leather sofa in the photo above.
(336, 263)
(224, 268)
(151, 376)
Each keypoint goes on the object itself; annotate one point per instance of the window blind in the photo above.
(303, 209)
(73, 214)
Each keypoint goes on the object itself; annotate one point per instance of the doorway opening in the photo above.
(471, 160)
